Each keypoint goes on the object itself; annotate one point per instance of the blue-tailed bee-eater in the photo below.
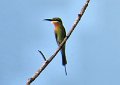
(60, 34)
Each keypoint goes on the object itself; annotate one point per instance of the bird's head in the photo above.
(56, 21)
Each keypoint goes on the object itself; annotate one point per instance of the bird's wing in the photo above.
(56, 37)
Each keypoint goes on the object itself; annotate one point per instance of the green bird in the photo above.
(60, 34)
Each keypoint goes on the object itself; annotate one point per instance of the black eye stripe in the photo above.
(59, 20)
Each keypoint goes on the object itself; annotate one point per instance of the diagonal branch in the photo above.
(63, 42)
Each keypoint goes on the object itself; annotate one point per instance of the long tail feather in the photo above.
(65, 70)
(64, 60)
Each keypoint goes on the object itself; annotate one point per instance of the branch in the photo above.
(60, 46)
(42, 55)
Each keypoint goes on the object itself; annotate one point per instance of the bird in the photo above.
(60, 34)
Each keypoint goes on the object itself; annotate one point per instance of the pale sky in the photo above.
(93, 49)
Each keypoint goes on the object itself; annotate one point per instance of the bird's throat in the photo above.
(56, 24)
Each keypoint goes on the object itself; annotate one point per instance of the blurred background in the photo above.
(93, 49)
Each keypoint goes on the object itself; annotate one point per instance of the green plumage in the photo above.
(60, 34)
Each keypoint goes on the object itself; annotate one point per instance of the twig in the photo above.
(60, 46)
(42, 55)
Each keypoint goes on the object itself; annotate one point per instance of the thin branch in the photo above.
(42, 55)
(60, 46)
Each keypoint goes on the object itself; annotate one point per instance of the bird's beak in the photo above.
(48, 19)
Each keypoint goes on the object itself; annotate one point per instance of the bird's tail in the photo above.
(64, 60)
(65, 69)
